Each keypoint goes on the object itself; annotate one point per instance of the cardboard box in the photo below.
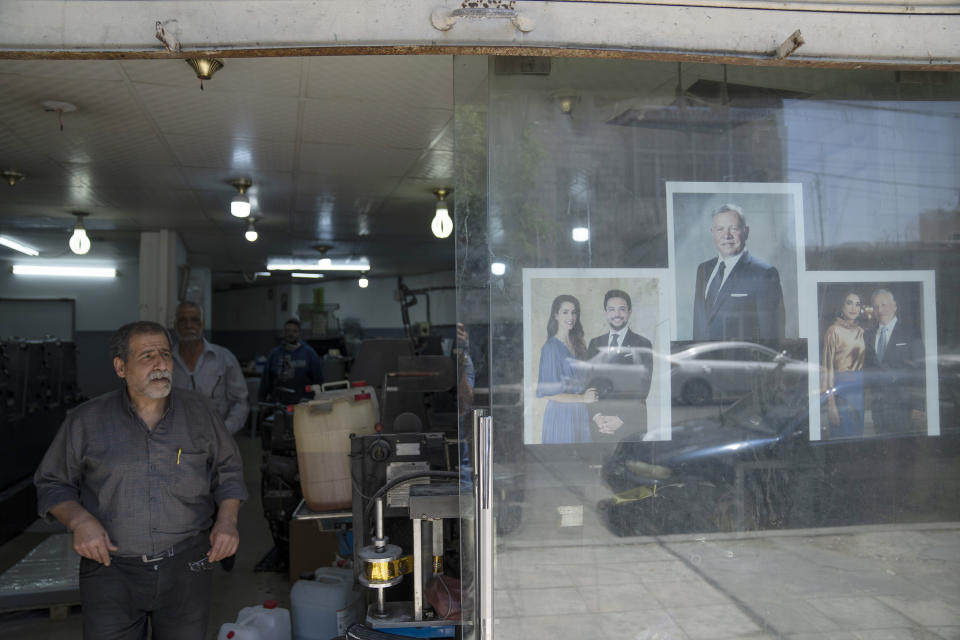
(310, 548)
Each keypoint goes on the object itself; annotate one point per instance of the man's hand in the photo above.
(610, 424)
(90, 539)
(224, 537)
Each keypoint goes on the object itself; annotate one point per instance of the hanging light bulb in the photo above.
(324, 262)
(240, 205)
(251, 234)
(363, 283)
(442, 225)
(79, 242)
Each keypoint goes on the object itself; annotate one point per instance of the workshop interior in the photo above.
(432, 227)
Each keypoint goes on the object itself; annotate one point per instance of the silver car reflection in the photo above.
(725, 371)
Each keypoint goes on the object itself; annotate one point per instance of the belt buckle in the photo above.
(157, 558)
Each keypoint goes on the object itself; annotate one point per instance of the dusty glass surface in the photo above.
(770, 449)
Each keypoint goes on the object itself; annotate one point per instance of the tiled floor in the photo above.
(581, 582)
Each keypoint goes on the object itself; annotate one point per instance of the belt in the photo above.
(181, 546)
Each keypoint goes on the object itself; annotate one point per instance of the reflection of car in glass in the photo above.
(753, 466)
(725, 370)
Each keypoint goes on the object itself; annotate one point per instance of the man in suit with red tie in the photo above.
(893, 369)
(737, 296)
(621, 411)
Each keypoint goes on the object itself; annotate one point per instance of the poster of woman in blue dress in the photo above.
(565, 418)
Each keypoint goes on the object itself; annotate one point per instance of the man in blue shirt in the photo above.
(292, 365)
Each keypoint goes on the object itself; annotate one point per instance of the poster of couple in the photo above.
(592, 339)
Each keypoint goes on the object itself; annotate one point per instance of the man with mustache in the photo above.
(137, 475)
(208, 368)
(737, 296)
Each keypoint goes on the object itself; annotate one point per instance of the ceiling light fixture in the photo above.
(298, 274)
(324, 262)
(363, 283)
(12, 177)
(498, 268)
(581, 234)
(17, 246)
(79, 242)
(251, 234)
(240, 205)
(205, 67)
(59, 107)
(442, 225)
(313, 266)
(69, 272)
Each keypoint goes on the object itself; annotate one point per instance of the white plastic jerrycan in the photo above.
(263, 622)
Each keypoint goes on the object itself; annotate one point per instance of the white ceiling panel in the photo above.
(433, 165)
(242, 156)
(385, 82)
(100, 106)
(130, 175)
(80, 69)
(195, 113)
(93, 148)
(327, 121)
(355, 161)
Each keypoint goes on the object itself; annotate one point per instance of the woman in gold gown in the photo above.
(841, 370)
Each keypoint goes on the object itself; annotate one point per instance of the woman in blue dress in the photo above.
(565, 418)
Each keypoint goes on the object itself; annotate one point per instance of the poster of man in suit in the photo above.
(737, 249)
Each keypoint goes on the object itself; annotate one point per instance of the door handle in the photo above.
(483, 496)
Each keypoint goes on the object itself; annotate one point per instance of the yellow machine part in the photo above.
(385, 570)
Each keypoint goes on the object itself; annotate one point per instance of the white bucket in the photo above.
(323, 608)
(263, 622)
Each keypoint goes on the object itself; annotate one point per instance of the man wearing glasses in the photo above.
(738, 296)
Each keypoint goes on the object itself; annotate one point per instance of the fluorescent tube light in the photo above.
(297, 274)
(343, 266)
(16, 246)
(66, 272)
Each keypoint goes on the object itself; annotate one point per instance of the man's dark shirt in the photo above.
(149, 489)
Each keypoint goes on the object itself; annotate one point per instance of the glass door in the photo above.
(675, 279)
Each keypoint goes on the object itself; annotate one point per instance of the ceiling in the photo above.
(342, 150)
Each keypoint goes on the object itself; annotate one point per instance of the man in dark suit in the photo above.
(893, 370)
(622, 363)
(738, 296)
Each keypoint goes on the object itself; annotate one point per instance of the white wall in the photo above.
(375, 307)
(101, 305)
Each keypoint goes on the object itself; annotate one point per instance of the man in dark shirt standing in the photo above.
(292, 365)
(137, 475)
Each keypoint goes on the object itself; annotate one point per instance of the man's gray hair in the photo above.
(190, 303)
(873, 296)
(733, 208)
(120, 341)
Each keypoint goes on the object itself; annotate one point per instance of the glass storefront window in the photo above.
(720, 349)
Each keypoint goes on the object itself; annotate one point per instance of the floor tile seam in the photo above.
(762, 623)
(740, 536)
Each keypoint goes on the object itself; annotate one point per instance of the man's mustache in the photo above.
(161, 374)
